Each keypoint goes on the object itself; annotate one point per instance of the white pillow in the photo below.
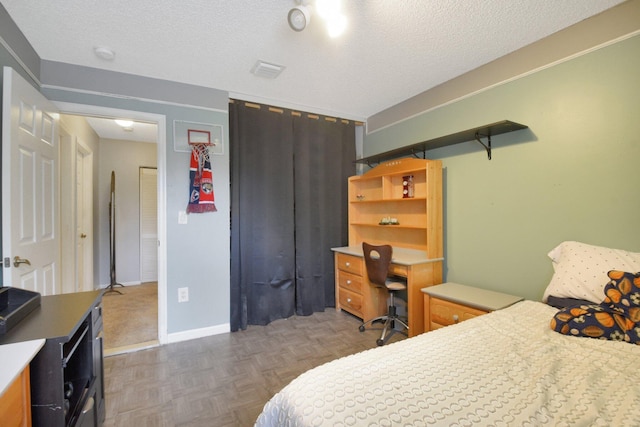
(581, 270)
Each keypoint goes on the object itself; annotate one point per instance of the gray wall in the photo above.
(198, 252)
(573, 175)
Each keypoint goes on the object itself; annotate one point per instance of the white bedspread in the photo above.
(506, 368)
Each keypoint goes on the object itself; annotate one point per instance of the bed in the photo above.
(505, 368)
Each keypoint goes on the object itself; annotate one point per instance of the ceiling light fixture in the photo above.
(300, 16)
(124, 123)
(329, 10)
(336, 25)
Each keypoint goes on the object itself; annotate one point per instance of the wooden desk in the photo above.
(356, 295)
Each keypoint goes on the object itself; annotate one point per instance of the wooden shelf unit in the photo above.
(416, 239)
(378, 194)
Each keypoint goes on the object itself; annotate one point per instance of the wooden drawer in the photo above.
(15, 402)
(351, 302)
(350, 263)
(398, 270)
(445, 313)
(349, 281)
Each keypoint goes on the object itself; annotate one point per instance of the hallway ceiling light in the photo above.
(127, 125)
(124, 123)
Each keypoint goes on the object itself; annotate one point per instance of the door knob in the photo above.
(17, 261)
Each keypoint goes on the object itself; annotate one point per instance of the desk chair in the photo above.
(377, 260)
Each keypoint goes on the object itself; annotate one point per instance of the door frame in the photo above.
(70, 147)
(161, 121)
(67, 212)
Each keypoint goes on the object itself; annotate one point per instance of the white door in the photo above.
(30, 202)
(84, 218)
(148, 225)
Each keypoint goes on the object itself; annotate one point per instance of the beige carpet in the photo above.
(131, 318)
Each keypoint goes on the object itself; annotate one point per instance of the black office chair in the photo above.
(377, 260)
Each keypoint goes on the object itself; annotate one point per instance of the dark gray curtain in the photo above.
(288, 209)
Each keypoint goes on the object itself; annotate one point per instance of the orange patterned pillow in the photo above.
(617, 318)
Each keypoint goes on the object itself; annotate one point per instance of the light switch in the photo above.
(182, 217)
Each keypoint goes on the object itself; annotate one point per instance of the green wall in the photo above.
(573, 175)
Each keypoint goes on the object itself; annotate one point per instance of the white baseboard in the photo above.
(199, 333)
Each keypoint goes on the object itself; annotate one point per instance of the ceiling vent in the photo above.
(266, 70)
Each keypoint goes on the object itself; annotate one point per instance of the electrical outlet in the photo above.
(183, 294)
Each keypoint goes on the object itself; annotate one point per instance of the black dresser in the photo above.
(67, 375)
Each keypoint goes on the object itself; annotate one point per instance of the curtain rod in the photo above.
(295, 113)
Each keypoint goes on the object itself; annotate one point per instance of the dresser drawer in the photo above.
(445, 313)
(351, 302)
(350, 263)
(350, 281)
(15, 402)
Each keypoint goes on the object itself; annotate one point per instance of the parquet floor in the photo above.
(225, 380)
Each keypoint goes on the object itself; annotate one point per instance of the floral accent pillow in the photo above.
(616, 318)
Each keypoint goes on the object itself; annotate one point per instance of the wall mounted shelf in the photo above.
(476, 134)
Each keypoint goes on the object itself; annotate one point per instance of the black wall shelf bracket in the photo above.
(486, 146)
(416, 153)
(477, 133)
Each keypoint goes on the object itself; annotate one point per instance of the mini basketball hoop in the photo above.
(200, 141)
(201, 198)
(201, 152)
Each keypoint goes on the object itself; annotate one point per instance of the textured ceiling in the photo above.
(137, 132)
(392, 49)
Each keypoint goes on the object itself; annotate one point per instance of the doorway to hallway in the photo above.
(154, 312)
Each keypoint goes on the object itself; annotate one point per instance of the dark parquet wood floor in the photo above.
(225, 380)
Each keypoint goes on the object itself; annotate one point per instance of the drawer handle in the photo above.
(348, 300)
(455, 318)
(348, 264)
(348, 282)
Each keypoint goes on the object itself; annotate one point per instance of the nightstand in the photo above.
(451, 303)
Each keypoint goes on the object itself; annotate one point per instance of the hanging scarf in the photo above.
(200, 184)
